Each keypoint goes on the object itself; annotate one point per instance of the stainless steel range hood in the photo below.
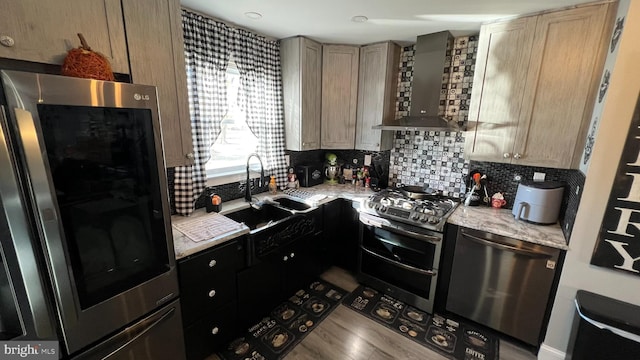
(429, 64)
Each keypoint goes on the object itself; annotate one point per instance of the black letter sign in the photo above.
(618, 244)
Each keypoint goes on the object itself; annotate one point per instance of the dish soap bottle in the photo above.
(273, 188)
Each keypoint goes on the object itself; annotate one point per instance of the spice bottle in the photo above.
(273, 188)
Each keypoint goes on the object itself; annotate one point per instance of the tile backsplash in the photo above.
(432, 158)
(435, 159)
(501, 178)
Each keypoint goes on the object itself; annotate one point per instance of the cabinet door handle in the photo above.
(7, 41)
(212, 263)
(506, 155)
(212, 293)
(215, 330)
(517, 156)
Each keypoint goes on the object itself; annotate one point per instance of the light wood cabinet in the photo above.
(156, 53)
(44, 31)
(377, 88)
(535, 85)
(301, 61)
(339, 96)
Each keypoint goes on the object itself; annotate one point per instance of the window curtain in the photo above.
(208, 45)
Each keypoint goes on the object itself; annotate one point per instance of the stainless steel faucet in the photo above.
(247, 191)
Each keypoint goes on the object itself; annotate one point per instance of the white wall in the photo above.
(577, 273)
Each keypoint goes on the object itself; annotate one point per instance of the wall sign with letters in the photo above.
(618, 245)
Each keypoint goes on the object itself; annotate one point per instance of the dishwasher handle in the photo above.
(501, 246)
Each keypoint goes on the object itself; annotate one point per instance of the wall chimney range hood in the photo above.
(429, 64)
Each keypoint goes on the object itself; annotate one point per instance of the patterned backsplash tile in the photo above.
(431, 158)
(501, 178)
(428, 158)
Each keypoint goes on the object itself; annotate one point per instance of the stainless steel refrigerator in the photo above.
(85, 237)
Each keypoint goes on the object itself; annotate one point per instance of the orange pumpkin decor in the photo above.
(82, 62)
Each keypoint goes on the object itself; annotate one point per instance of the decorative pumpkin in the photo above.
(85, 63)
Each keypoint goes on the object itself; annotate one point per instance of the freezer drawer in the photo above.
(502, 283)
(157, 336)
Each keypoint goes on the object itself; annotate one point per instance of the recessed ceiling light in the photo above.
(359, 18)
(253, 15)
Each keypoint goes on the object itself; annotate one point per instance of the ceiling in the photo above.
(329, 21)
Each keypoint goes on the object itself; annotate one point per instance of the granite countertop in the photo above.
(183, 246)
(502, 222)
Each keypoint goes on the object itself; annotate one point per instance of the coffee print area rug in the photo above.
(275, 335)
(452, 338)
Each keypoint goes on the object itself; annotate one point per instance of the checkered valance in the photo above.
(208, 45)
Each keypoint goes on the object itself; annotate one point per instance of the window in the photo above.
(236, 141)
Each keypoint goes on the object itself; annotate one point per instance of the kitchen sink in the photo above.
(291, 204)
(256, 218)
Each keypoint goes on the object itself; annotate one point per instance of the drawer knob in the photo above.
(212, 293)
(292, 255)
(7, 40)
(215, 330)
(212, 263)
(506, 155)
(517, 156)
(190, 156)
(285, 258)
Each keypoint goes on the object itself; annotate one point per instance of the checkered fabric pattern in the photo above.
(208, 45)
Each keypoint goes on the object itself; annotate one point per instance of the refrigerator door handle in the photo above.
(47, 213)
(127, 337)
(18, 227)
(145, 328)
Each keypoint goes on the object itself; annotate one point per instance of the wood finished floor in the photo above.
(347, 335)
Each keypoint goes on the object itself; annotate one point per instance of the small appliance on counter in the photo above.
(538, 202)
(331, 169)
(310, 175)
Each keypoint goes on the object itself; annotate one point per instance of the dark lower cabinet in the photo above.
(212, 332)
(278, 275)
(341, 233)
(208, 295)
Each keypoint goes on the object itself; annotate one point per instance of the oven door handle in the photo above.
(404, 266)
(507, 247)
(408, 233)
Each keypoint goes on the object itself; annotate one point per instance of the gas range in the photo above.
(430, 212)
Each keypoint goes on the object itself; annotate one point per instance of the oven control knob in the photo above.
(371, 204)
(377, 207)
(415, 216)
(433, 220)
(424, 218)
(383, 208)
(407, 205)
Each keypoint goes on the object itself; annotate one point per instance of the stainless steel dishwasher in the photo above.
(503, 283)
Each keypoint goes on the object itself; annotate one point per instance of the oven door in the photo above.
(403, 261)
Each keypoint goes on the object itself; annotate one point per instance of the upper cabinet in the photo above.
(301, 61)
(156, 53)
(377, 88)
(534, 87)
(44, 31)
(339, 96)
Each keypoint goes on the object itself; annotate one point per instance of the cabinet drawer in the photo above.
(211, 333)
(207, 294)
(221, 258)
